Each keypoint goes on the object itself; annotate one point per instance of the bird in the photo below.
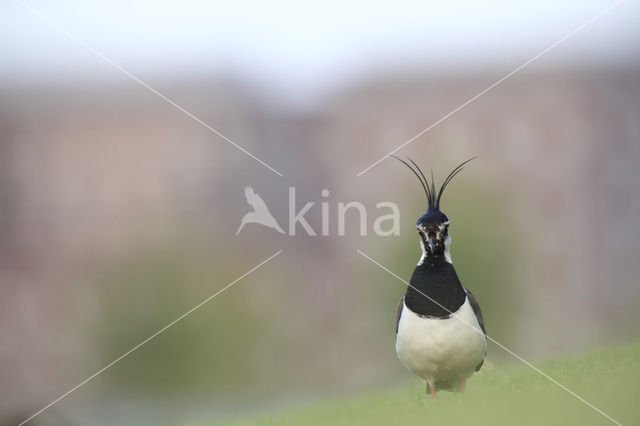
(260, 213)
(440, 331)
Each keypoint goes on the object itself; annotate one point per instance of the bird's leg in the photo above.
(463, 383)
(433, 391)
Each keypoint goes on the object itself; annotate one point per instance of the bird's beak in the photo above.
(432, 243)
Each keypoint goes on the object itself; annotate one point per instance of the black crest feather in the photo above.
(433, 200)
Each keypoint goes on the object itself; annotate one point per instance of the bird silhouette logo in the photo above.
(260, 214)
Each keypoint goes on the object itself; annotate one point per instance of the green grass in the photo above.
(607, 378)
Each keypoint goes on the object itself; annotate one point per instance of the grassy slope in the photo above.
(608, 378)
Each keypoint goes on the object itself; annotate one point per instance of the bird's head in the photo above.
(433, 225)
(433, 228)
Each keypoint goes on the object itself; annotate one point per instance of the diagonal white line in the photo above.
(499, 344)
(150, 337)
(570, 34)
(142, 83)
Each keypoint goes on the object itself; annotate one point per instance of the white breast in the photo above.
(441, 350)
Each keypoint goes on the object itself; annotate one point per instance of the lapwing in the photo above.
(440, 332)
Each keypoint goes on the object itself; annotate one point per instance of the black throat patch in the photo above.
(437, 280)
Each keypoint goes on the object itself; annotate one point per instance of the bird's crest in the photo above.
(433, 199)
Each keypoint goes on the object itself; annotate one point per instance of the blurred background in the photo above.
(118, 212)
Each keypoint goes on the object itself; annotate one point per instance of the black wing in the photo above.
(399, 313)
(476, 310)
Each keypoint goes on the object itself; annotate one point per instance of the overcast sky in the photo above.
(301, 47)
